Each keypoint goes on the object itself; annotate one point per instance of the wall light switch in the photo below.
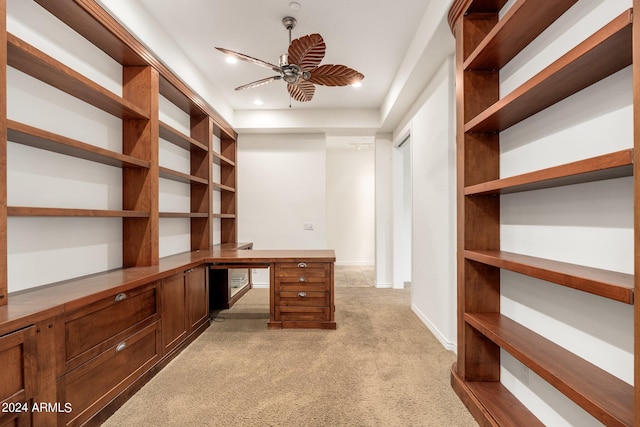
(307, 226)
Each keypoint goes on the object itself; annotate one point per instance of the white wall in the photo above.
(433, 274)
(384, 238)
(588, 224)
(351, 204)
(281, 187)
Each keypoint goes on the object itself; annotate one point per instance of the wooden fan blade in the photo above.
(259, 83)
(307, 52)
(335, 75)
(302, 91)
(247, 58)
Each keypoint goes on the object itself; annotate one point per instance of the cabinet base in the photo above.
(272, 324)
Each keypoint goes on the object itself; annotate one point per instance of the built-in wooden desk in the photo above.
(301, 285)
(91, 342)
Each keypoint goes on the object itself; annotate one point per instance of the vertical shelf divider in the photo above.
(140, 187)
(201, 200)
(4, 285)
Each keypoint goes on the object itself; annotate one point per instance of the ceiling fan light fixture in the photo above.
(300, 67)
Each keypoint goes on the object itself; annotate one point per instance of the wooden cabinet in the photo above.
(174, 311)
(108, 344)
(17, 376)
(487, 38)
(88, 388)
(185, 306)
(93, 328)
(198, 299)
(303, 295)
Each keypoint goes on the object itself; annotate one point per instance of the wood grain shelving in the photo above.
(66, 212)
(526, 19)
(604, 53)
(608, 284)
(607, 398)
(179, 139)
(607, 166)
(181, 177)
(484, 44)
(221, 187)
(44, 140)
(183, 215)
(223, 216)
(31, 61)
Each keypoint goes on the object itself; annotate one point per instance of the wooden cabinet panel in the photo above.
(89, 387)
(91, 329)
(17, 352)
(174, 310)
(198, 297)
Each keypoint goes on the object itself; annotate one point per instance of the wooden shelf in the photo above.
(607, 166)
(221, 187)
(219, 159)
(39, 65)
(183, 215)
(607, 398)
(64, 212)
(178, 138)
(604, 53)
(517, 28)
(223, 216)
(181, 177)
(505, 409)
(604, 283)
(38, 138)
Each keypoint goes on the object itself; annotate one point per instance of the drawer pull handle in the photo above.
(120, 297)
(121, 347)
(302, 279)
(302, 294)
(302, 265)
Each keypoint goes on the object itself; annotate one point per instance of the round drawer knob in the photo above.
(302, 279)
(120, 297)
(121, 347)
(302, 294)
(302, 265)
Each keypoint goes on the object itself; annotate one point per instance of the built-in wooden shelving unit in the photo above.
(485, 42)
(145, 79)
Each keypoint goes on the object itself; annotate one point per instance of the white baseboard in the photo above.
(261, 285)
(355, 263)
(384, 285)
(445, 343)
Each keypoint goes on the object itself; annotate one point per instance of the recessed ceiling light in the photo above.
(258, 102)
(357, 84)
(231, 60)
(294, 5)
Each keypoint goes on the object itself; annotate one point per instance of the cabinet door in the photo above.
(198, 297)
(174, 318)
(17, 351)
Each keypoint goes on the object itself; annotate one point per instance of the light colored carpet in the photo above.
(381, 367)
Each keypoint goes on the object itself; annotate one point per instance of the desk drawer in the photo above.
(302, 298)
(302, 283)
(98, 325)
(303, 269)
(92, 385)
(302, 314)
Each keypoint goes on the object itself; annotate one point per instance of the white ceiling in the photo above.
(381, 39)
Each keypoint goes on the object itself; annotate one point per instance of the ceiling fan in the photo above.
(300, 67)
